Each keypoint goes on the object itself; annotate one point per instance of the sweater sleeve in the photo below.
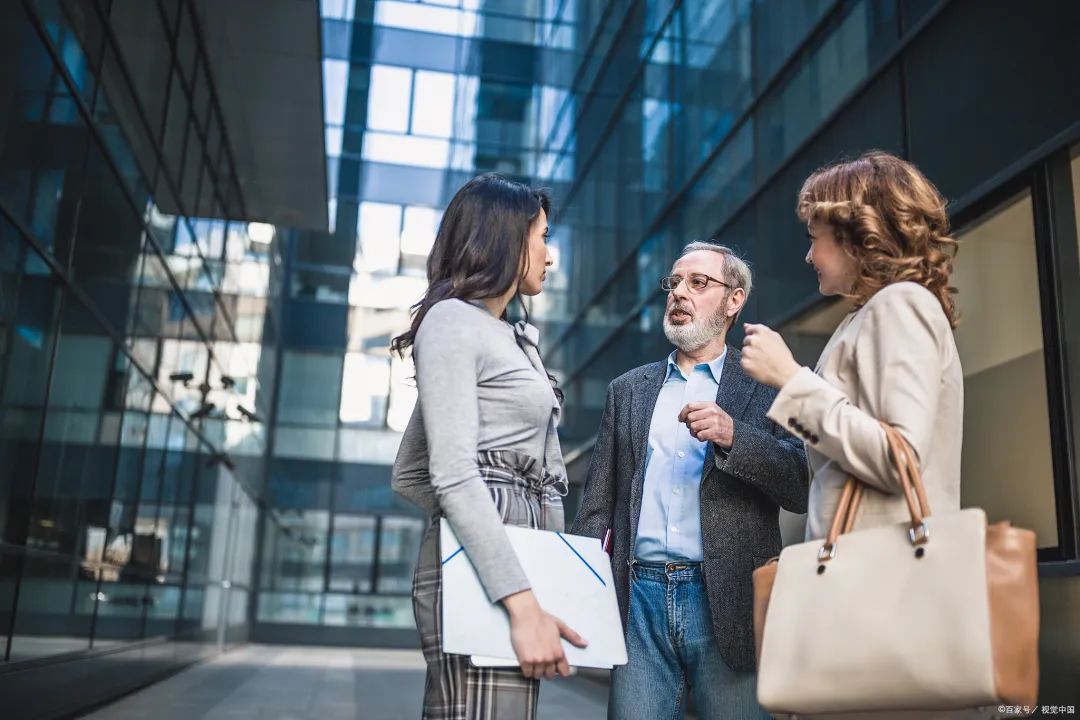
(409, 477)
(449, 360)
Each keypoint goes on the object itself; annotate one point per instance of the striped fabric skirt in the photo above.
(526, 496)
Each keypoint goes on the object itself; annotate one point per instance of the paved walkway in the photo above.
(272, 682)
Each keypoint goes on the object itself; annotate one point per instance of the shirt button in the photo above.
(682, 454)
(674, 529)
(676, 491)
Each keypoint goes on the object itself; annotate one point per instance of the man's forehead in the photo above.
(704, 261)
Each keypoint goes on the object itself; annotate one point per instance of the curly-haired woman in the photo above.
(879, 236)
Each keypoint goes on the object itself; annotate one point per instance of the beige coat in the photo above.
(895, 360)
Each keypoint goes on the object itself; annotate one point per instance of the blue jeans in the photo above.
(671, 649)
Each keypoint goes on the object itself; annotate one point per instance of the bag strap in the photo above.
(847, 507)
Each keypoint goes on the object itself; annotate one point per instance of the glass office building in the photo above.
(214, 216)
(138, 324)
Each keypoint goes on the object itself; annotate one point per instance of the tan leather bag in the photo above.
(938, 614)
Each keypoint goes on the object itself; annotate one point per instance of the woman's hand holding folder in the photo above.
(536, 637)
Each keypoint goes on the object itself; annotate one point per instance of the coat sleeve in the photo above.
(897, 360)
(598, 504)
(410, 478)
(769, 459)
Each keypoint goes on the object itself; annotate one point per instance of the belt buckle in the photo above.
(672, 567)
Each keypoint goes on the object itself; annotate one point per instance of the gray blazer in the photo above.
(741, 493)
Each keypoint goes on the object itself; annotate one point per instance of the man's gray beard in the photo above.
(697, 333)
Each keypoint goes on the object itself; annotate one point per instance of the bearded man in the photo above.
(688, 475)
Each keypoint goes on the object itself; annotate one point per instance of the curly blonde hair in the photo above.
(890, 218)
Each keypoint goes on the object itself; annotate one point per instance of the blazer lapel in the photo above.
(733, 395)
(642, 403)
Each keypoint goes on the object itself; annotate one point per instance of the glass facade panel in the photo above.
(310, 388)
(779, 28)
(816, 85)
(714, 63)
(119, 510)
(28, 346)
(1075, 166)
(365, 389)
(295, 551)
(283, 607)
(375, 611)
(399, 543)
(53, 611)
(983, 115)
(999, 251)
(44, 137)
(9, 573)
(352, 554)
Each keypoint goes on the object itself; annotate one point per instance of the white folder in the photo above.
(571, 578)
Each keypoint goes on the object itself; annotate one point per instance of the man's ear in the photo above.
(735, 302)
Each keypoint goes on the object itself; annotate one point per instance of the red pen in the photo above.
(606, 542)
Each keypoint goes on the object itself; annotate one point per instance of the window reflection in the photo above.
(54, 609)
(428, 17)
(120, 516)
(42, 112)
(399, 543)
(1076, 187)
(337, 9)
(378, 238)
(411, 115)
(418, 234)
(310, 388)
(391, 91)
(406, 150)
(27, 323)
(822, 80)
(715, 54)
(365, 386)
(352, 554)
(999, 251)
(433, 96)
(294, 550)
(403, 393)
(368, 611)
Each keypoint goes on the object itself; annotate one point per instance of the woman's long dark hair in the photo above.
(479, 249)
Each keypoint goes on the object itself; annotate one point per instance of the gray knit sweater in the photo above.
(481, 386)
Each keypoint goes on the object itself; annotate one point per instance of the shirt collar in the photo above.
(716, 366)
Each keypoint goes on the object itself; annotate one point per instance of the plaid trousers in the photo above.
(526, 495)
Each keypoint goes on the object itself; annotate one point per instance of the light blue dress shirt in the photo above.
(669, 527)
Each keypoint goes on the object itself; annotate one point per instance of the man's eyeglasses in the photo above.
(695, 282)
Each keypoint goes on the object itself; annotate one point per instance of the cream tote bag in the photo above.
(937, 614)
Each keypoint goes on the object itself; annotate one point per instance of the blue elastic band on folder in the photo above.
(574, 550)
(453, 554)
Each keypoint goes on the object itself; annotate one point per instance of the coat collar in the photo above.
(527, 334)
(716, 366)
(732, 395)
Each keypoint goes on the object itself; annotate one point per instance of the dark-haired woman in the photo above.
(481, 448)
